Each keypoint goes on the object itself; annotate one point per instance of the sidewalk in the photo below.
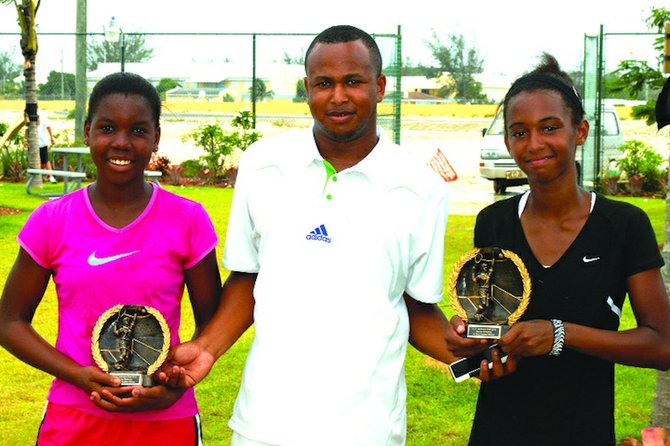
(470, 195)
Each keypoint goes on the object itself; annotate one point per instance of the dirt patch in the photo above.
(8, 211)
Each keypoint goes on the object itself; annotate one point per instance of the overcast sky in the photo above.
(508, 34)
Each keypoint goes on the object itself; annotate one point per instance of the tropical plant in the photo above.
(635, 76)
(13, 160)
(160, 164)
(641, 162)
(261, 90)
(219, 143)
(639, 159)
(190, 169)
(166, 84)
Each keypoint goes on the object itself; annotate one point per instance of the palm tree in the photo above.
(27, 9)
(262, 91)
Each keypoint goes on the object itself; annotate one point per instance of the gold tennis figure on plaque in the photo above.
(131, 342)
(490, 290)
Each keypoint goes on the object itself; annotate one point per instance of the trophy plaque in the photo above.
(131, 342)
(490, 290)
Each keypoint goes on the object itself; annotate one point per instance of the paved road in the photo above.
(467, 197)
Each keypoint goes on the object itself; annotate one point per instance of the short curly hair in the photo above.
(126, 84)
(348, 33)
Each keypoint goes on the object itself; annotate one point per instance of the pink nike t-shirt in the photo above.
(96, 266)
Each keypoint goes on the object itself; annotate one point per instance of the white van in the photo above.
(496, 164)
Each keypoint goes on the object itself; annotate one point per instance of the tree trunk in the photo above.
(31, 103)
(26, 11)
(660, 414)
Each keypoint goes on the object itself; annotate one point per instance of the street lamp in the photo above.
(115, 34)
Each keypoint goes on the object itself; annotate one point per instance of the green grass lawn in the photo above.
(439, 411)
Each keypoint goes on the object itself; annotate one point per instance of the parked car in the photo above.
(496, 164)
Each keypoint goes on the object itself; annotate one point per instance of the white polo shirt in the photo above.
(334, 253)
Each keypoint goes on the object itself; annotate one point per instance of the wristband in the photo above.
(559, 337)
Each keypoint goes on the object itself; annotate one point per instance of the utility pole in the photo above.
(62, 82)
(80, 74)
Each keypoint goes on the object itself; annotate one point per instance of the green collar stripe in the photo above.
(330, 171)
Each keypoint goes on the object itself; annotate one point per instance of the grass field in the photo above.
(439, 411)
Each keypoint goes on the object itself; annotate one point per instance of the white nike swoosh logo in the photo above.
(97, 261)
(590, 259)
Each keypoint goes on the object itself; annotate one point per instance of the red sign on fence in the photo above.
(440, 164)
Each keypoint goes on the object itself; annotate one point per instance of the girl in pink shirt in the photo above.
(119, 241)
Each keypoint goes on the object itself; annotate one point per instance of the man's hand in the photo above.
(187, 364)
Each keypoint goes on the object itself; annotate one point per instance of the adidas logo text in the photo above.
(319, 234)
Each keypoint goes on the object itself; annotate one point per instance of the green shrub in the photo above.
(191, 168)
(65, 138)
(14, 161)
(642, 160)
(219, 144)
(13, 157)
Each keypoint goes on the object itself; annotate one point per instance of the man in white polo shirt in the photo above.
(335, 241)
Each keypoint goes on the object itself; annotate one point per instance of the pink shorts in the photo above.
(65, 426)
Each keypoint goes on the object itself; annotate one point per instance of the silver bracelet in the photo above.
(559, 337)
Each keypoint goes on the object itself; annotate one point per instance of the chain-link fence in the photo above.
(206, 67)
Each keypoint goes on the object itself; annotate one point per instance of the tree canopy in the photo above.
(300, 92)
(136, 50)
(261, 90)
(9, 70)
(299, 59)
(166, 84)
(411, 69)
(58, 85)
(462, 62)
(634, 76)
